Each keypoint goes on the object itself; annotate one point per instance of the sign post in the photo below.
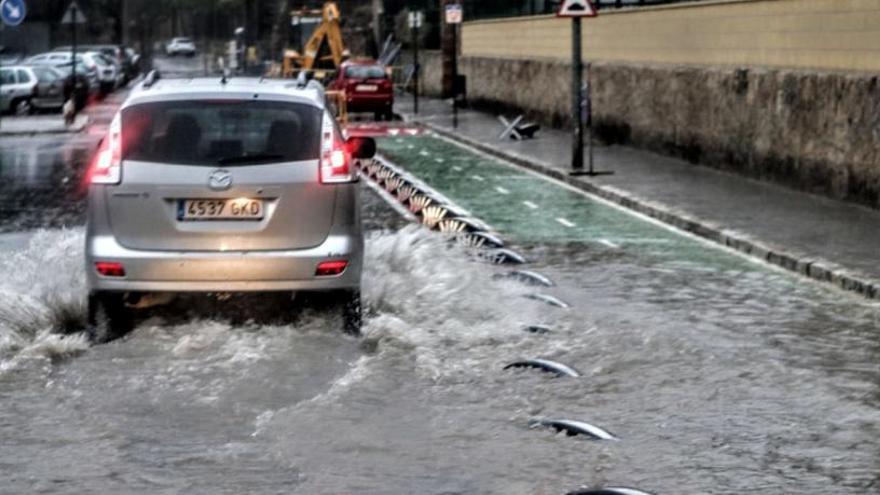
(580, 98)
(415, 22)
(73, 16)
(454, 16)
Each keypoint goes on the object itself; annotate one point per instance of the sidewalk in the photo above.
(39, 124)
(822, 238)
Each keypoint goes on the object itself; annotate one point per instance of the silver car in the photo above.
(17, 89)
(209, 185)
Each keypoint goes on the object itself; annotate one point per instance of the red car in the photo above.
(367, 87)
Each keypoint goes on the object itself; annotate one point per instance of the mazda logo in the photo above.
(220, 180)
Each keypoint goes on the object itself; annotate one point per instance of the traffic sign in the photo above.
(454, 13)
(415, 19)
(12, 12)
(577, 8)
(73, 14)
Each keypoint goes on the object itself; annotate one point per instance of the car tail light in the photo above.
(330, 268)
(110, 269)
(336, 165)
(107, 168)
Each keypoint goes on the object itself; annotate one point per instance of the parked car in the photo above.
(115, 54)
(17, 87)
(26, 89)
(63, 58)
(180, 46)
(84, 79)
(109, 75)
(75, 86)
(367, 87)
(242, 185)
(49, 93)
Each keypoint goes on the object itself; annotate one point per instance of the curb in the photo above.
(808, 266)
(76, 129)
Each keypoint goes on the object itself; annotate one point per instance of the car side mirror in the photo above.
(362, 147)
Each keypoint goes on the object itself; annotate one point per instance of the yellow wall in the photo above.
(817, 34)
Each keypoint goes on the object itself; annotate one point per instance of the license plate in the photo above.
(220, 209)
(366, 87)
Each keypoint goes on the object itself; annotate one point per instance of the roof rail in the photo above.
(151, 78)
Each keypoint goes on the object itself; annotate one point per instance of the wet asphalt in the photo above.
(716, 374)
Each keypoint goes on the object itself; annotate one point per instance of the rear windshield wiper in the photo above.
(255, 158)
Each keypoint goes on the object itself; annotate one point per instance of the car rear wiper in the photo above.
(255, 158)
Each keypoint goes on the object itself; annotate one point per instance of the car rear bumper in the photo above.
(196, 271)
(370, 103)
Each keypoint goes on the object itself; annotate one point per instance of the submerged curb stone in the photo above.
(812, 267)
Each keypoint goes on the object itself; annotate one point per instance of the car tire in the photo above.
(109, 317)
(350, 303)
(21, 106)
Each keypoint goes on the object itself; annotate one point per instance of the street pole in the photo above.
(415, 35)
(577, 142)
(455, 85)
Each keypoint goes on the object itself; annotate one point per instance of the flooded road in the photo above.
(717, 374)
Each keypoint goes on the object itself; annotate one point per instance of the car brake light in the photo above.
(107, 168)
(330, 268)
(336, 166)
(110, 269)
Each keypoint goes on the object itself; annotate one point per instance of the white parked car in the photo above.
(180, 46)
(99, 69)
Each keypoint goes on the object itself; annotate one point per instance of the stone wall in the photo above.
(815, 131)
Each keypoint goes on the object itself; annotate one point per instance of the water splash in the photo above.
(43, 299)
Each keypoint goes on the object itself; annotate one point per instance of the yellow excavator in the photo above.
(328, 31)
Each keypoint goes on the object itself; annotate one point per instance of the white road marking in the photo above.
(609, 243)
(424, 153)
(566, 222)
(440, 160)
(502, 190)
(530, 205)
(478, 178)
(457, 168)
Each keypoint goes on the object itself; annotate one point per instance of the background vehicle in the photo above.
(120, 57)
(26, 89)
(367, 88)
(81, 87)
(17, 89)
(56, 59)
(49, 93)
(180, 46)
(235, 186)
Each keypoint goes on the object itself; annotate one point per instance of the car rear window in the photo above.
(365, 72)
(221, 132)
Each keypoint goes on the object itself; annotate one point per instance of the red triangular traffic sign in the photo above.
(577, 8)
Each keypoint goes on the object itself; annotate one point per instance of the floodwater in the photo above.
(718, 375)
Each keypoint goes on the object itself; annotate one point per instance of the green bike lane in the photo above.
(721, 373)
(530, 209)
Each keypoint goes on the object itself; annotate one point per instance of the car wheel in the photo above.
(351, 311)
(22, 107)
(378, 116)
(109, 318)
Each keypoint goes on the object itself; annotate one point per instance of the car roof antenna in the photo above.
(225, 78)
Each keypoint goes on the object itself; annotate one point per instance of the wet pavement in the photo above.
(808, 225)
(716, 373)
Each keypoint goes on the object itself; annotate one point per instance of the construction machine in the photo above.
(327, 31)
